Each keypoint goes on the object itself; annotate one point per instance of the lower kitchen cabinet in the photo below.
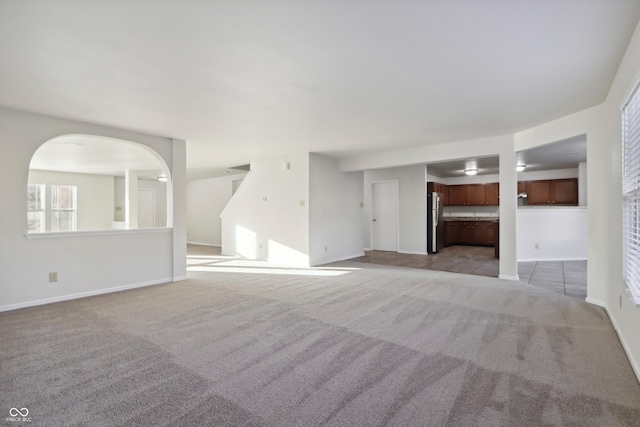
(473, 233)
(450, 233)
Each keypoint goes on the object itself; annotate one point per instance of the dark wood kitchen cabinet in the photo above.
(565, 191)
(450, 233)
(474, 194)
(553, 192)
(472, 233)
(439, 188)
(465, 233)
(458, 195)
(522, 187)
(492, 194)
(491, 233)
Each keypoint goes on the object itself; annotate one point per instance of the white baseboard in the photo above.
(367, 249)
(634, 365)
(213, 245)
(180, 278)
(596, 302)
(508, 277)
(552, 259)
(342, 258)
(82, 295)
(413, 253)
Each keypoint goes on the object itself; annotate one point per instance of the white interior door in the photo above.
(146, 208)
(384, 218)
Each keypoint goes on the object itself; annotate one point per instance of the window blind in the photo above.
(631, 194)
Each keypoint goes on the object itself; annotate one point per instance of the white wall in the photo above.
(582, 184)
(602, 125)
(95, 195)
(413, 206)
(605, 187)
(206, 199)
(503, 146)
(552, 234)
(549, 174)
(87, 263)
(335, 212)
(160, 190)
(268, 217)
(522, 176)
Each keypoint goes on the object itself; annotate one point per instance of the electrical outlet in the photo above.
(302, 203)
(53, 276)
(325, 248)
(260, 246)
(537, 247)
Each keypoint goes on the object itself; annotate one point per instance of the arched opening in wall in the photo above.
(93, 183)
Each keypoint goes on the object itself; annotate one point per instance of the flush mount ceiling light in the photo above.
(520, 168)
(471, 171)
(162, 178)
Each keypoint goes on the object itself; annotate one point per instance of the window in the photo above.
(63, 208)
(631, 194)
(35, 208)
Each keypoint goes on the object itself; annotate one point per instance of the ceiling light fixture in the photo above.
(162, 178)
(520, 168)
(471, 171)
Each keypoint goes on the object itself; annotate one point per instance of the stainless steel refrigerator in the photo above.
(435, 225)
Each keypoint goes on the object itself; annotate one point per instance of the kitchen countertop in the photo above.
(471, 218)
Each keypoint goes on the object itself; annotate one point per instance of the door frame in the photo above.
(396, 201)
(153, 192)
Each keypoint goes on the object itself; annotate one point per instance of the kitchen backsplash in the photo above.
(471, 211)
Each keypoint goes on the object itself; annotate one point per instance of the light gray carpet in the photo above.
(375, 345)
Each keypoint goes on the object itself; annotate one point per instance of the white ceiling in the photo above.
(95, 155)
(240, 80)
(565, 154)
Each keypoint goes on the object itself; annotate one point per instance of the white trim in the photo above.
(153, 191)
(213, 245)
(508, 277)
(342, 258)
(180, 278)
(596, 302)
(62, 234)
(366, 249)
(413, 252)
(634, 85)
(552, 259)
(397, 203)
(625, 346)
(82, 295)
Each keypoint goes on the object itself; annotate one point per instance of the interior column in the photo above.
(508, 212)
(131, 198)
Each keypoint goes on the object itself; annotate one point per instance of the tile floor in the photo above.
(565, 277)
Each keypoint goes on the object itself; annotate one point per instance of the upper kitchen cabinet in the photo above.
(553, 192)
(458, 195)
(522, 187)
(474, 195)
(492, 194)
(439, 188)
